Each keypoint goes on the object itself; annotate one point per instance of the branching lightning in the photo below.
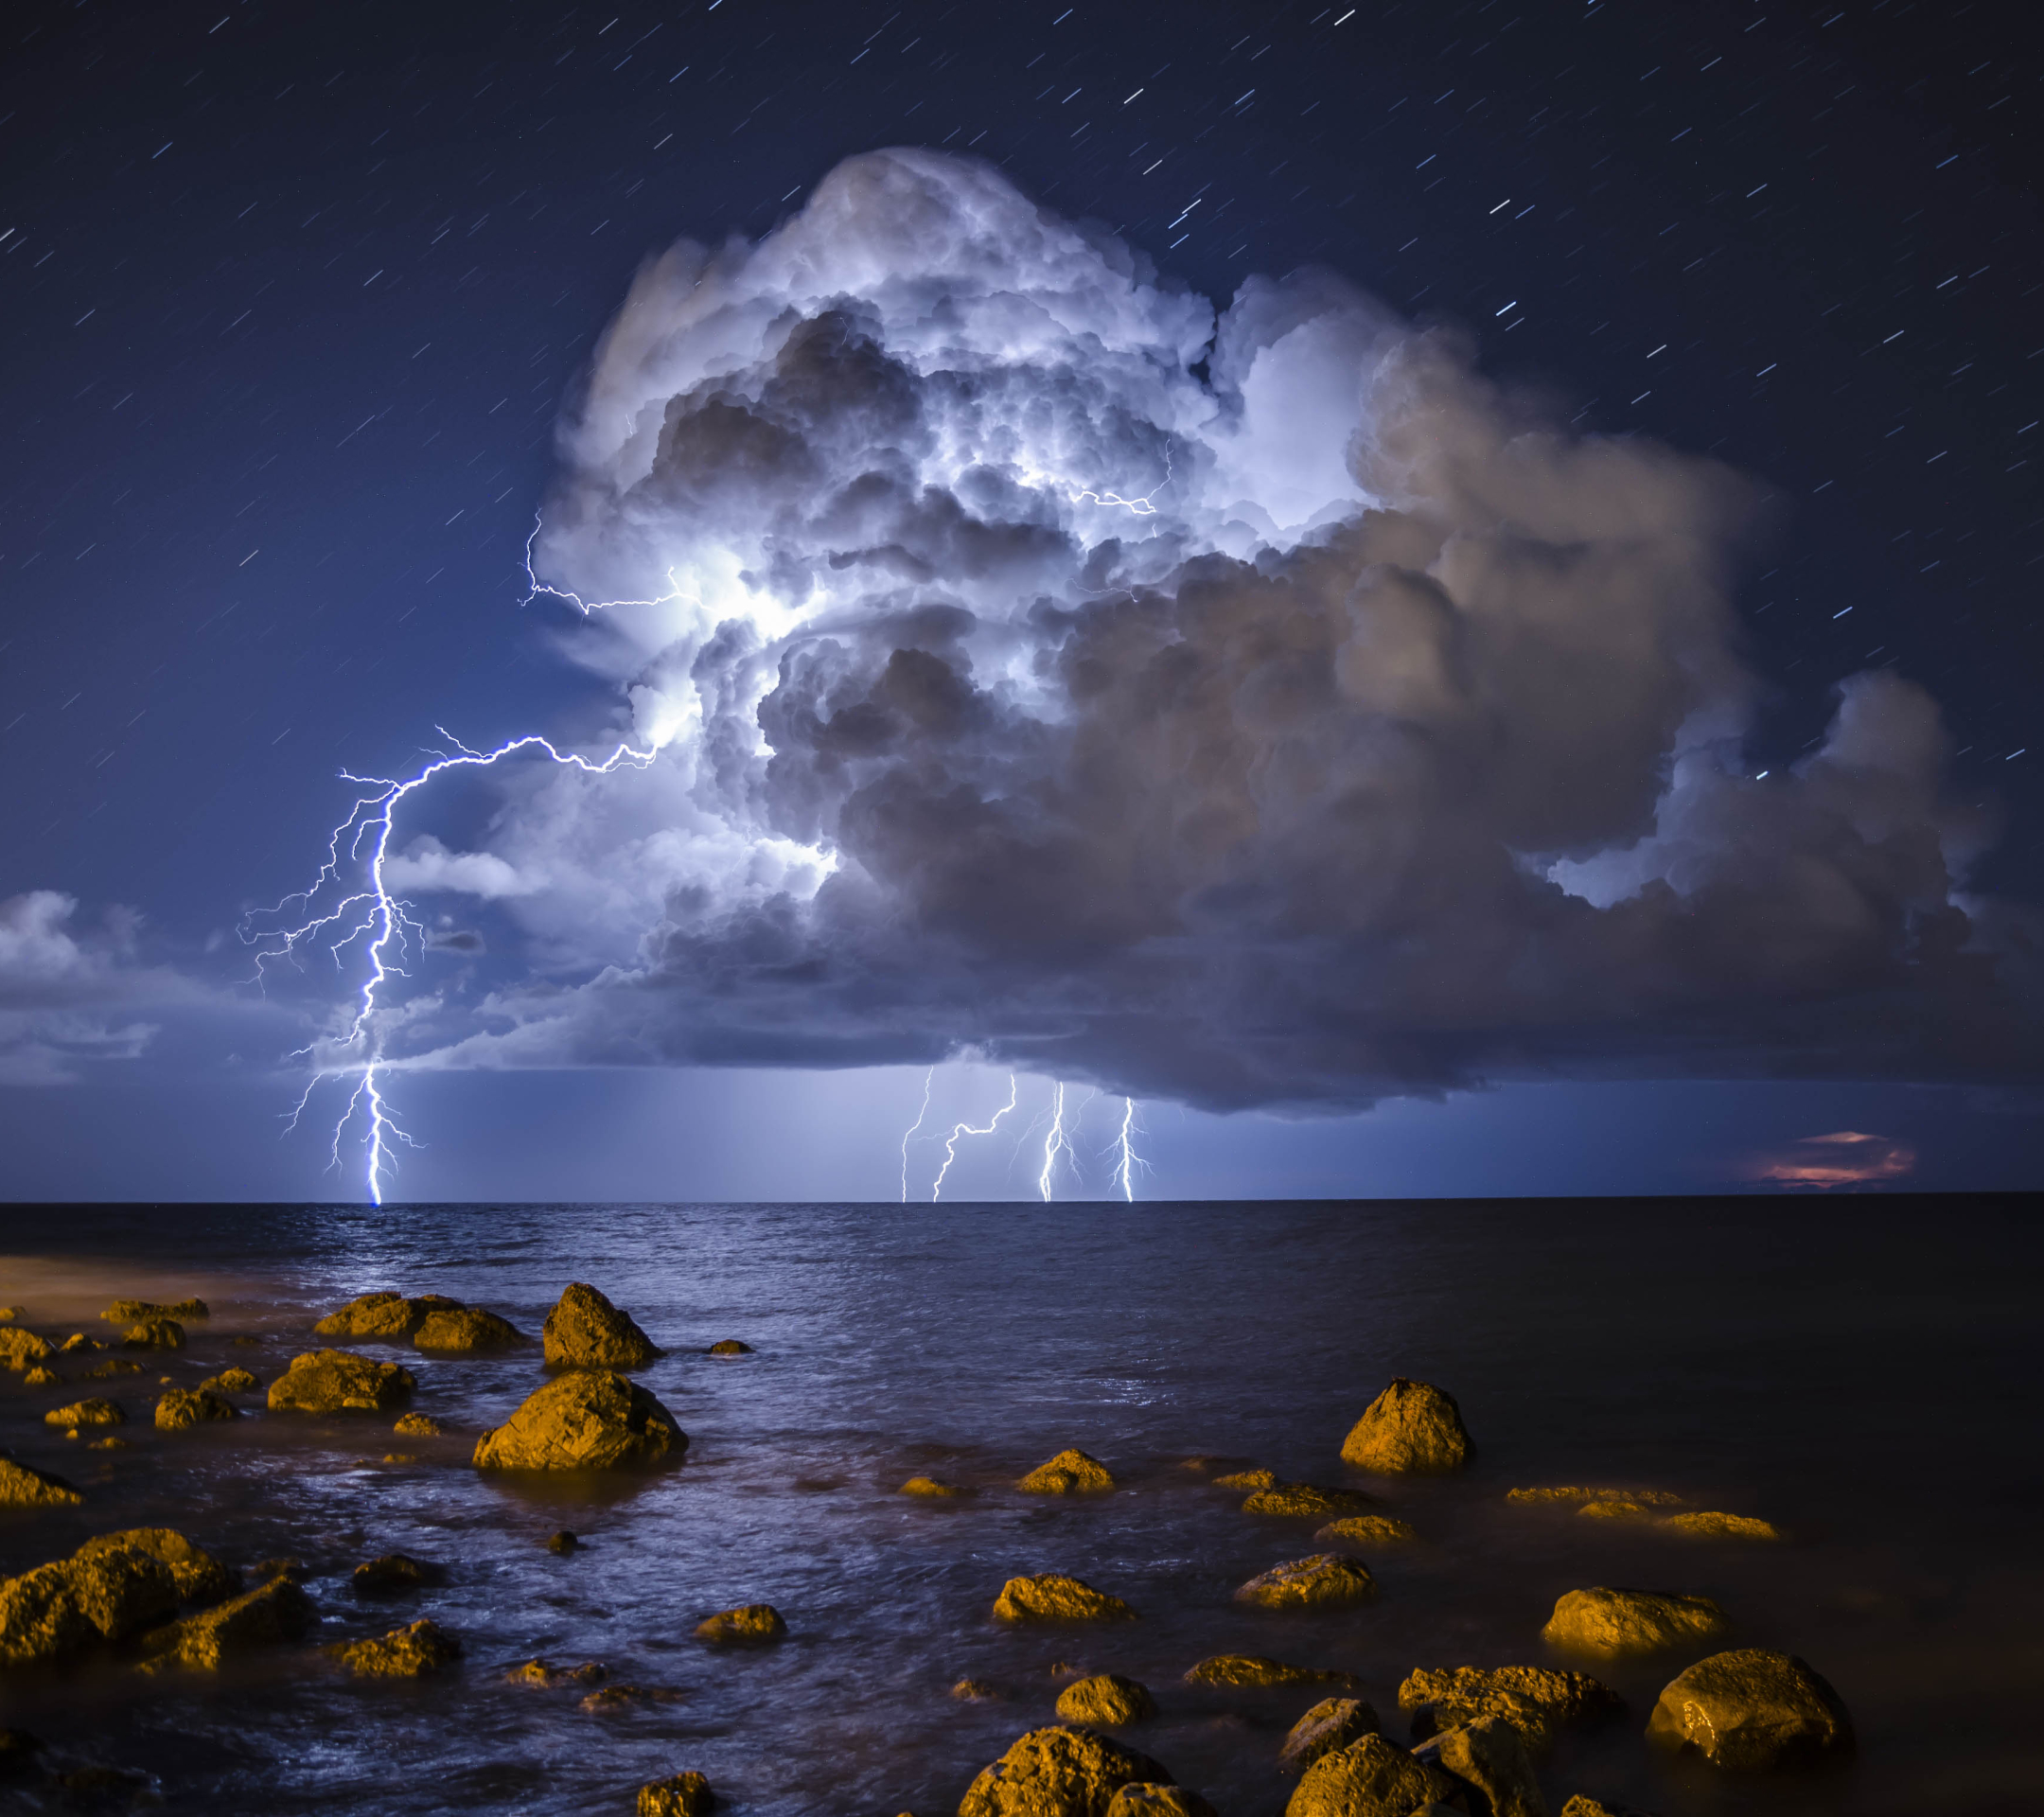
(1055, 1143)
(1125, 1148)
(1141, 507)
(535, 587)
(951, 1142)
(928, 1078)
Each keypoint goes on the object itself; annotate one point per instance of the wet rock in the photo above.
(1616, 1624)
(562, 1543)
(417, 1426)
(1253, 1669)
(1248, 1479)
(1070, 1473)
(1054, 1597)
(129, 1312)
(78, 1341)
(384, 1314)
(86, 1413)
(976, 1690)
(1714, 1525)
(1105, 1700)
(1364, 1529)
(586, 1331)
(614, 1699)
(393, 1574)
(1151, 1800)
(113, 1367)
(274, 1611)
(20, 1350)
(63, 1608)
(340, 1381)
(184, 1408)
(729, 1346)
(1615, 1509)
(1751, 1709)
(155, 1334)
(8, 1315)
(1333, 1722)
(466, 1330)
(404, 1652)
(21, 1486)
(1538, 1703)
(1058, 1772)
(536, 1672)
(197, 1575)
(1369, 1778)
(235, 1380)
(588, 1419)
(1582, 1805)
(1411, 1427)
(41, 1376)
(746, 1626)
(1325, 1580)
(929, 1486)
(1306, 1501)
(1491, 1755)
(106, 1444)
(680, 1794)
(1649, 1497)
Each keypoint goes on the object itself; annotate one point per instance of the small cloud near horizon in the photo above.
(1846, 1157)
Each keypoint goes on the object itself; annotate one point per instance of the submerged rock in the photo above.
(197, 1575)
(586, 1331)
(235, 1380)
(155, 1334)
(128, 1311)
(340, 1381)
(1325, 1580)
(1304, 1501)
(1649, 1497)
(1053, 1596)
(746, 1626)
(1370, 1777)
(1333, 1722)
(1070, 1473)
(1535, 1700)
(1364, 1529)
(562, 1541)
(114, 1365)
(41, 1377)
(466, 1328)
(404, 1652)
(1582, 1805)
(1248, 1479)
(1714, 1525)
(729, 1346)
(183, 1408)
(680, 1794)
(1253, 1669)
(417, 1425)
(63, 1608)
(23, 1486)
(976, 1690)
(614, 1698)
(1105, 1700)
(1411, 1427)
(1615, 1509)
(1148, 1799)
(20, 1349)
(383, 1315)
(274, 1611)
(588, 1419)
(930, 1487)
(86, 1413)
(1058, 1772)
(1614, 1624)
(392, 1574)
(539, 1673)
(1750, 1708)
(1491, 1755)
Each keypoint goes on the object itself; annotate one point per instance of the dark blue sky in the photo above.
(295, 298)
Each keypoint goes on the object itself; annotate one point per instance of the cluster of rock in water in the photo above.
(167, 1605)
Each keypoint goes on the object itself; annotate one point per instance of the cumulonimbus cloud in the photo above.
(1246, 708)
(68, 994)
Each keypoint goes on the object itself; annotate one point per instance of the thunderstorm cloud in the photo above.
(1245, 708)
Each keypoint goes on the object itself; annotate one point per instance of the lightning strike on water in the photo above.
(928, 1078)
(1124, 1175)
(967, 1129)
(1055, 1143)
(385, 921)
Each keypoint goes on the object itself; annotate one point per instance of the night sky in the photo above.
(296, 299)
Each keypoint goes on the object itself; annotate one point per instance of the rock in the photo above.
(129, 1312)
(114, 1365)
(8, 1315)
(1620, 1509)
(385, 1315)
(1614, 1624)
(1325, 1580)
(589, 1420)
(404, 1652)
(276, 1610)
(1713, 1525)
(1058, 1772)
(615, 1698)
(1650, 1498)
(1253, 1669)
(60, 1609)
(23, 1487)
(1248, 1479)
(729, 1346)
(392, 1574)
(1582, 1805)
(41, 1377)
(340, 1381)
(1333, 1722)
(1750, 1708)
(155, 1334)
(268, 1570)
(106, 1444)
(1304, 1501)
(468, 1329)
(585, 1331)
(929, 1486)
(746, 1626)
(1410, 1428)
(562, 1543)
(232, 1381)
(20, 1349)
(1368, 1778)
(1490, 1755)
(197, 1574)
(976, 1690)
(183, 1408)
(1105, 1700)
(1070, 1473)
(86, 1413)
(1148, 1799)
(680, 1794)
(78, 1341)
(1535, 1700)
(417, 1426)
(537, 1673)
(1054, 1597)
(1364, 1529)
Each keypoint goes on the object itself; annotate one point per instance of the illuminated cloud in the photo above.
(66, 995)
(1821, 1162)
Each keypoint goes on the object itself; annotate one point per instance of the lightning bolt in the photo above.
(370, 913)
(927, 1077)
(1138, 507)
(1124, 1175)
(967, 1129)
(1055, 1143)
(535, 587)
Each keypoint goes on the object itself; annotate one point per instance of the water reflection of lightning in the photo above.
(1124, 1175)
(373, 912)
(1055, 1142)
(927, 1077)
(967, 1129)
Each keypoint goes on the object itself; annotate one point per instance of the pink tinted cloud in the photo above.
(1847, 1158)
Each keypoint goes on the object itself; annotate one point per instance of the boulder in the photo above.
(1248, 1479)
(1150, 1800)
(20, 1349)
(1364, 1529)
(1333, 1722)
(155, 1334)
(588, 1419)
(1253, 1669)
(404, 1652)
(183, 1408)
(276, 1610)
(1538, 1703)
(1410, 1428)
(386, 1316)
(680, 1794)
(78, 1341)
(930, 1487)
(237, 1381)
(1105, 1700)
(8, 1315)
(197, 1574)
(1616, 1624)
(1370, 1777)
(41, 1377)
(392, 1574)
(130, 1311)
(1490, 1755)
(585, 1331)
(340, 1381)
(1325, 1580)
(1714, 1525)
(466, 1329)
(1304, 1501)
(1054, 1597)
(58, 1609)
(539, 1673)
(86, 1413)
(417, 1425)
(1070, 1473)
(1750, 1708)
(742, 1626)
(21, 1486)
(1058, 1772)
(729, 1346)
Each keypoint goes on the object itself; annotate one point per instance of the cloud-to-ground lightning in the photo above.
(373, 912)
(951, 1142)
(1055, 1143)
(910, 1131)
(1125, 1166)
